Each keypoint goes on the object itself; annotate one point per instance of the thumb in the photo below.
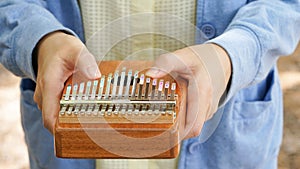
(164, 64)
(87, 66)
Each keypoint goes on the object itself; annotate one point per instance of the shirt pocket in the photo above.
(251, 110)
(257, 125)
(261, 100)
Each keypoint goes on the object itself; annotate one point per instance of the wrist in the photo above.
(39, 47)
(224, 61)
(43, 43)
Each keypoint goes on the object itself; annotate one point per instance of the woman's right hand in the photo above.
(59, 56)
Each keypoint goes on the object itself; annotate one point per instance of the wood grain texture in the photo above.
(121, 140)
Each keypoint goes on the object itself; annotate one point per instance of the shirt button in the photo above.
(194, 147)
(208, 30)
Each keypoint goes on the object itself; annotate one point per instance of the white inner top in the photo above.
(116, 15)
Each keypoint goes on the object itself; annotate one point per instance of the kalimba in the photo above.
(124, 114)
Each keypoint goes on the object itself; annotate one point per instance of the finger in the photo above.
(52, 88)
(211, 109)
(165, 64)
(86, 65)
(51, 97)
(197, 106)
(37, 97)
(182, 112)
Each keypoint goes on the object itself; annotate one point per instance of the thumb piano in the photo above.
(124, 114)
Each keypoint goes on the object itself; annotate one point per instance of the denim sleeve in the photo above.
(23, 23)
(260, 32)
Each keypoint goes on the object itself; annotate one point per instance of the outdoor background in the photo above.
(13, 152)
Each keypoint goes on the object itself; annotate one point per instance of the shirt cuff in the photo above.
(26, 38)
(243, 48)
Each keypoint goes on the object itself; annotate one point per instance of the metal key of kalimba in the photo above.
(124, 114)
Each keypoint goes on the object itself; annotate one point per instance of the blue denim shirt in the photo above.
(249, 124)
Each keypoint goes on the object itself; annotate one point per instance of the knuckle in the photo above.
(214, 109)
(195, 132)
(47, 124)
(209, 116)
(35, 97)
(41, 80)
(165, 58)
(44, 82)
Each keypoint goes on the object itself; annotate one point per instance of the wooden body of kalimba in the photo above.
(124, 114)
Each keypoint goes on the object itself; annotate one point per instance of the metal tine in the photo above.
(96, 110)
(137, 109)
(110, 109)
(154, 83)
(77, 109)
(70, 109)
(123, 109)
(170, 109)
(143, 109)
(108, 86)
(63, 110)
(173, 88)
(130, 109)
(156, 109)
(148, 80)
(133, 91)
(95, 85)
(103, 109)
(117, 109)
(142, 79)
(87, 90)
(163, 108)
(129, 75)
(68, 91)
(160, 88)
(151, 109)
(90, 109)
(74, 91)
(167, 85)
(83, 109)
(81, 89)
(123, 74)
(115, 84)
(101, 86)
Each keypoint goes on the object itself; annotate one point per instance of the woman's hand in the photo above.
(59, 56)
(207, 70)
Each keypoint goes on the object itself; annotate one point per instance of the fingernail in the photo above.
(152, 72)
(93, 72)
